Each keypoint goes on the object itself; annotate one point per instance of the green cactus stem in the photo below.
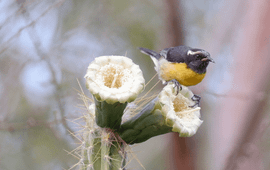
(109, 115)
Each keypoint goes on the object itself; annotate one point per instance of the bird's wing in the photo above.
(177, 54)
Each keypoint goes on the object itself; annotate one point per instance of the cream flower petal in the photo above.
(176, 109)
(114, 79)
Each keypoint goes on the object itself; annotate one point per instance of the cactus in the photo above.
(115, 81)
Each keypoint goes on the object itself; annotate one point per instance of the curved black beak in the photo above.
(208, 58)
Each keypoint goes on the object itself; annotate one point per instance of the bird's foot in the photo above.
(177, 85)
(196, 99)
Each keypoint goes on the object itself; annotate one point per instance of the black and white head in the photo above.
(198, 60)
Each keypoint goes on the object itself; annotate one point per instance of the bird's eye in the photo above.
(198, 57)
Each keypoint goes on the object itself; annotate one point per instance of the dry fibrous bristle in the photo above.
(100, 144)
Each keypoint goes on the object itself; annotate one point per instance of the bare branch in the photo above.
(33, 22)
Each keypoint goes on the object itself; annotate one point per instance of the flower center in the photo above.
(114, 76)
(180, 104)
(181, 108)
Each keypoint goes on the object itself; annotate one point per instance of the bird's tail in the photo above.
(150, 52)
(154, 55)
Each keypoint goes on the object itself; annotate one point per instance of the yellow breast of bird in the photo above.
(180, 72)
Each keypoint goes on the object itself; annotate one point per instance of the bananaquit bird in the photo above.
(181, 64)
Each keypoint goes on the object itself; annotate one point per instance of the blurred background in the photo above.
(46, 46)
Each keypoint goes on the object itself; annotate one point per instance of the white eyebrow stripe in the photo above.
(193, 53)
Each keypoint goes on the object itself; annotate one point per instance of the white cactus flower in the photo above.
(114, 79)
(177, 111)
